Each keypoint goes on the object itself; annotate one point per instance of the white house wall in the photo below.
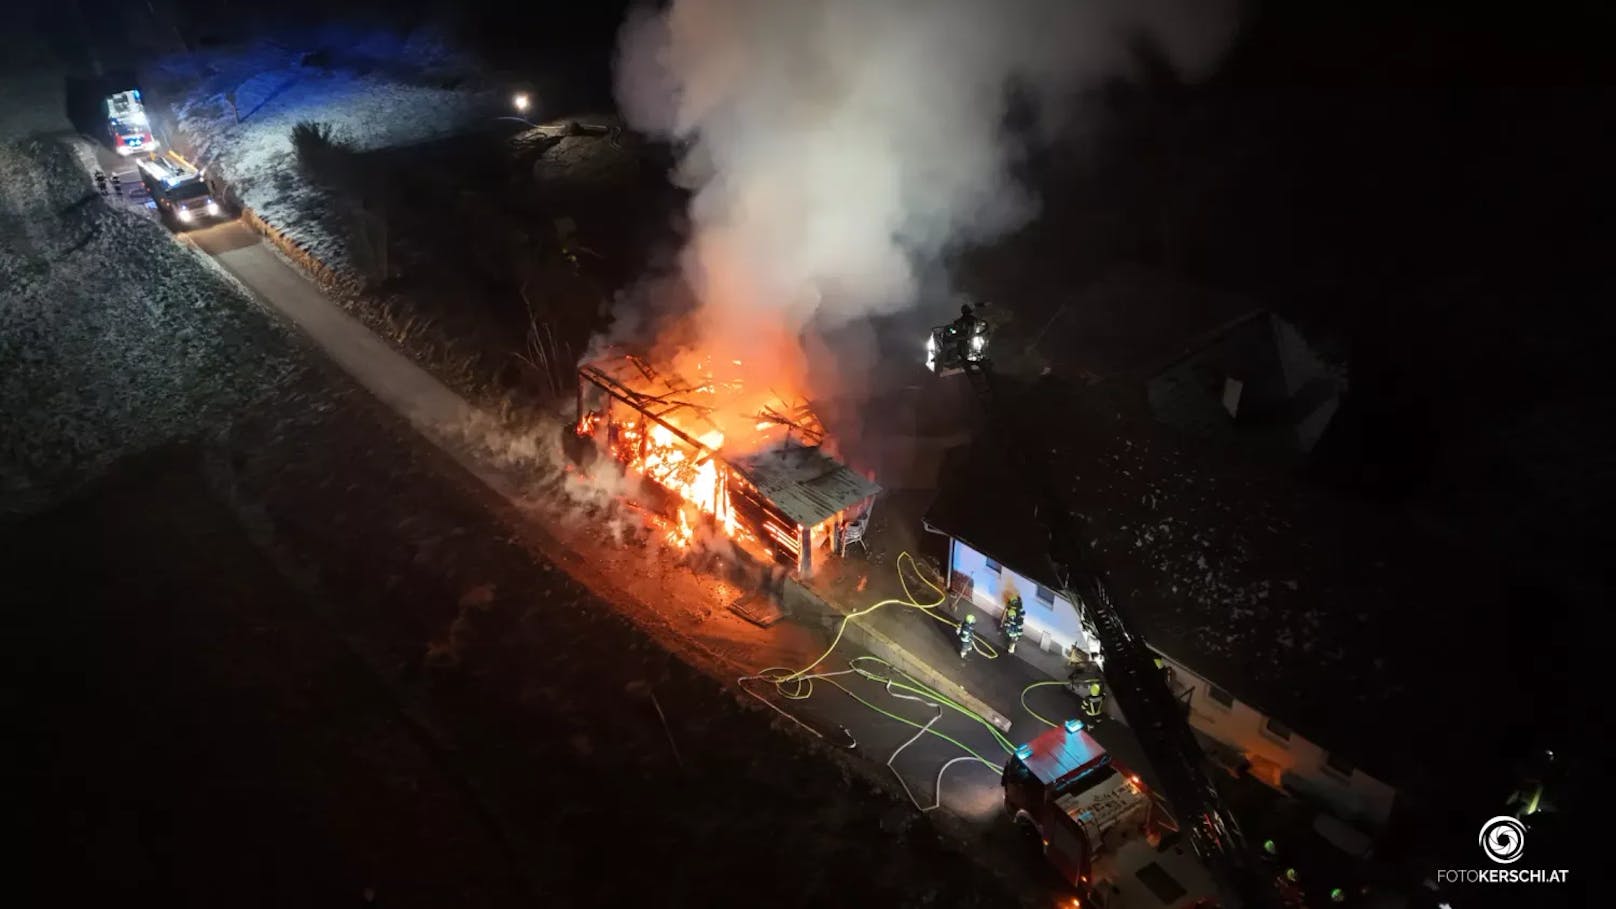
(1053, 627)
(1296, 762)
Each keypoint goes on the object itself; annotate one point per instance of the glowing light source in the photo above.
(521, 101)
(1024, 751)
(1074, 725)
(184, 214)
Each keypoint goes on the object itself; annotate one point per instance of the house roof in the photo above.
(1188, 391)
(1251, 580)
(981, 502)
(1253, 377)
(1130, 322)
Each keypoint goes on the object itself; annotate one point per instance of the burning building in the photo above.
(752, 462)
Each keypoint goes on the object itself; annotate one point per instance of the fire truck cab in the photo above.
(1105, 833)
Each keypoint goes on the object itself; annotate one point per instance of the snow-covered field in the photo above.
(378, 91)
(113, 338)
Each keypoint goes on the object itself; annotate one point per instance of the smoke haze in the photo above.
(835, 148)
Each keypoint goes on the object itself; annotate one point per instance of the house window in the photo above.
(1277, 729)
(1046, 596)
(1220, 697)
(993, 566)
(1338, 765)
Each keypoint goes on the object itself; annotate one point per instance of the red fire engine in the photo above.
(1102, 829)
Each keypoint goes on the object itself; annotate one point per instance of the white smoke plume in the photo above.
(836, 148)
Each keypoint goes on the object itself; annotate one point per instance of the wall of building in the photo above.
(1293, 763)
(1053, 626)
(1285, 763)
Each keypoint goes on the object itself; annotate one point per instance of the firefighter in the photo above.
(1093, 694)
(966, 634)
(1531, 794)
(1014, 617)
(961, 331)
(965, 325)
(1168, 675)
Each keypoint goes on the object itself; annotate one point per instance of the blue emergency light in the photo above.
(1024, 751)
(1074, 725)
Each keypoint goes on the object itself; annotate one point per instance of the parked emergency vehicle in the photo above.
(127, 124)
(1103, 830)
(179, 190)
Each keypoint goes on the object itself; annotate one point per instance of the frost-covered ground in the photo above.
(113, 338)
(374, 89)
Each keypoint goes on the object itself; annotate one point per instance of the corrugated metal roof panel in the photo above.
(806, 484)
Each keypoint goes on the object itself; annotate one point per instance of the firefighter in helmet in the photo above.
(1015, 615)
(961, 331)
(966, 634)
(1167, 673)
(1092, 692)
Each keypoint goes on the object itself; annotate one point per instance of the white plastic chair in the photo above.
(853, 531)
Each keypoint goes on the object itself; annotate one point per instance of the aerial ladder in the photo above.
(1155, 715)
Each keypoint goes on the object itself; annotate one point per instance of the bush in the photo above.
(319, 152)
(310, 137)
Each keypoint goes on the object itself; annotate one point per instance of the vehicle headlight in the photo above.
(213, 207)
(125, 150)
(184, 214)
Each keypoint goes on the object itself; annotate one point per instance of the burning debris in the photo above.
(754, 464)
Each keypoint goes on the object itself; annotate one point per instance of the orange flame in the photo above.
(679, 448)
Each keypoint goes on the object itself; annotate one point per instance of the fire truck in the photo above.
(1106, 833)
(181, 194)
(127, 124)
